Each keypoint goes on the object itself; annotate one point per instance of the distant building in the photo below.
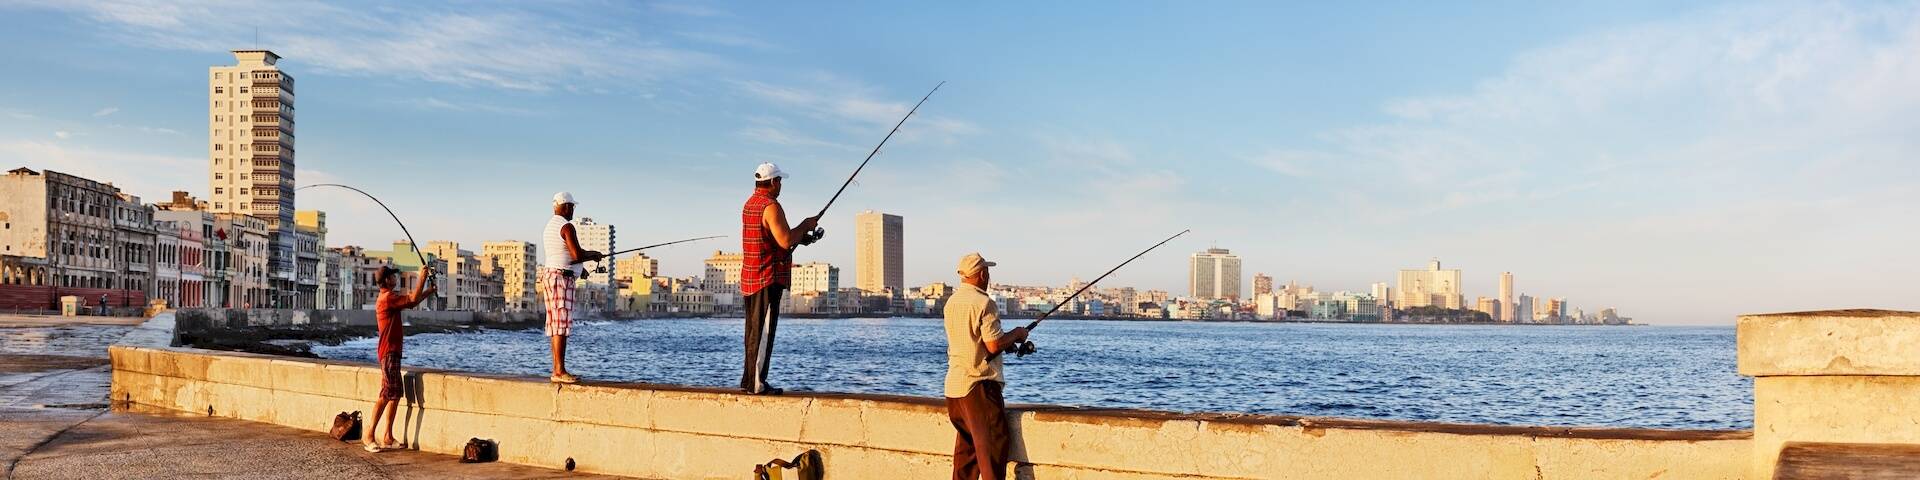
(880, 252)
(1489, 306)
(1506, 299)
(1262, 284)
(821, 282)
(1382, 293)
(515, 261)
(1430, 287)
(1523, 309)
(1214, 274)
(636, 267)
(723, 280)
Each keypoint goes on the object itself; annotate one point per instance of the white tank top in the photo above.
(557, 255)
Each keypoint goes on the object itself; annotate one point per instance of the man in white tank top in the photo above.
(560, 265)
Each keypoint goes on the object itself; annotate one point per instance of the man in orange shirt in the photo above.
(387, 311)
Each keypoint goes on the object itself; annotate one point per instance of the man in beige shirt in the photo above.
(974, 377)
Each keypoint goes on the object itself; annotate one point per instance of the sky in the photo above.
(1684, 162)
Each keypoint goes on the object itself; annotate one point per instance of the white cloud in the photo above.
(106, 111)
(688, 9)
(62, 134)
(464, 106)
(781, 136)
(856, 110)
(504, 47)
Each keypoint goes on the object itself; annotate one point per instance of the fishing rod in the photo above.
(630, 250)
(818, 232)
(1026, 347)
(424, 266)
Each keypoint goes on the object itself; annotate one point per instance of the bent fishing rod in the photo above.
(818, 232)
(631, 250)
(1023, 348)
(424, 266)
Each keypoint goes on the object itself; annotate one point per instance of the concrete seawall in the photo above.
(657, 431)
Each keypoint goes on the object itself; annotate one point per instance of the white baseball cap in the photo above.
(767, 171)
(562, 198)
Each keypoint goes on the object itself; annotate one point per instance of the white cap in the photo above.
(562, 197)
(767, 171)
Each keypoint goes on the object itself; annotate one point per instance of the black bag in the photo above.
(806, 466)
(480, 450)
(346, 426)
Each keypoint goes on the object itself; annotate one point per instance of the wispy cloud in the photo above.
(854, 107)
(503, 46)
(688, 9)
(465, 106)
(106, 111)
(781, 136)
(62, 134)
(726, 39)
(143, 174)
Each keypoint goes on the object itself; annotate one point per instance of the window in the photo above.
(217, 206)
(243, 191)
(245, 118)
(216, 147)
(219, 191)
(216, 118)
(219, 176)
(243, 177)
(216, 75)
(243, 147)
(219, 89)
(243, 89)
(216, 103)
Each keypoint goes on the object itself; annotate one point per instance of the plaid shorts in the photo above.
(558, 290)
(390, 388)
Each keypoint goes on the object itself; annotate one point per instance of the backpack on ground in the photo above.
(346, 426)
(480, 450)
(806, 466)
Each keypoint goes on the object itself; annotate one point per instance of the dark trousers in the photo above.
(980, 427)
(763, 317)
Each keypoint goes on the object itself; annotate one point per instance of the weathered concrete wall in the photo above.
(1845, 376)
(678, 432)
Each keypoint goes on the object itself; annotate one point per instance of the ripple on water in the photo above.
(1655, 377)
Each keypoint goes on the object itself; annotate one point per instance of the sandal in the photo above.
(372, 447)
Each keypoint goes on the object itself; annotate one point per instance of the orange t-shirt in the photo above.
(387, 314)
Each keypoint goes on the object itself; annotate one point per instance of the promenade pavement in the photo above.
(55, 423)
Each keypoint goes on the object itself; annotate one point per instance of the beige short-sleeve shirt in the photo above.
(973, 319)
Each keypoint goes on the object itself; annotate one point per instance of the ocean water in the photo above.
(1655, 377)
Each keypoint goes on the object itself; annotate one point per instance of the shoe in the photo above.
(564, 378)
(770, 390)
(372, 447)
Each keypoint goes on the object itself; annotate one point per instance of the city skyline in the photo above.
(1521, 156)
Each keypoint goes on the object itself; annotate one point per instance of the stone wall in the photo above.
(1841, 376)
(657, 431)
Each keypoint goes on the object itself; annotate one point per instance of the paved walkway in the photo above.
(55, 424)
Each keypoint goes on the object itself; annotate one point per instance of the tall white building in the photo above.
(880, 252)
(514, 260)
(1382, 293)
(1506, 299)
(1430, 287)
(250, 151)
(1214, 274)
(1523, 309)
(596, 237)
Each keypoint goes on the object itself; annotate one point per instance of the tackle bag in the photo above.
(480, 450)
(806, 466)
(346, 426)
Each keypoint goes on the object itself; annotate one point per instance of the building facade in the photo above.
(514, 261)
(880, 252)
(723, 280)
(1433, 287)
(1214, 274)
(1506, 299)
(250, 145)
(62, 235)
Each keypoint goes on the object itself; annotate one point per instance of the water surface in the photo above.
(1659, 377)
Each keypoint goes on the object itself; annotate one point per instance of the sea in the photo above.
(1598, 376)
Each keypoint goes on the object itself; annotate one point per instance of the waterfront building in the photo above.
(250, 251)
(1523, 309)
(133, 258)
(250, 147)
(166, 265)
(1214, 274)
(514, 261)
(366, 287)
(723, 280)
(879, 252)
(1266, 306)
(635, 267)
(59, 237)
(1506, 299)
(463, 284)
(1262, 284)
(1381, 293)
(310, 246)
(819, 279)
(1555, 311)
(1361, 308)
(1489, 306)
(404, 258)
(1430, 287)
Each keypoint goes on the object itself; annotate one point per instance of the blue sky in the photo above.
(1685, 162)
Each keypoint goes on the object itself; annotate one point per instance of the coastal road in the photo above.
(55, 421)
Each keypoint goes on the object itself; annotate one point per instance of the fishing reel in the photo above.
(1023, 349)
(813, 236)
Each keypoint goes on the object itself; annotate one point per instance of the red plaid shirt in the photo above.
(762, 261)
